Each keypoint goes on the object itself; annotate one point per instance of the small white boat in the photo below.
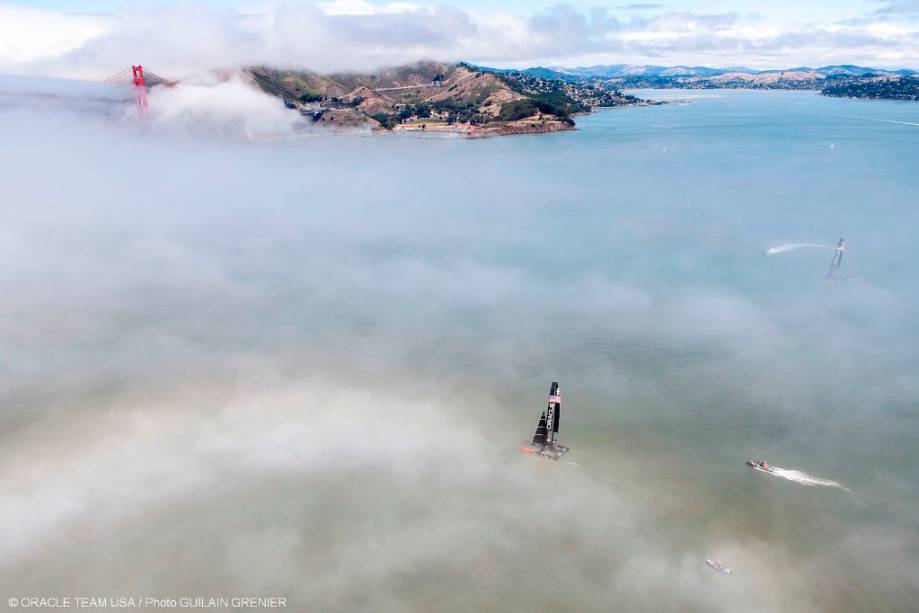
(760, 465)
(721, 568)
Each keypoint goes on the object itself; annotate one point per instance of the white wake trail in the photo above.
(904, 123)
(805, 479)
(794, 247)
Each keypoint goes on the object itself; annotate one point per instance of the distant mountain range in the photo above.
(838, 80)
(625, 71)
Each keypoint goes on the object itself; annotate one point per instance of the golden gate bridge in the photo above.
(142, 80)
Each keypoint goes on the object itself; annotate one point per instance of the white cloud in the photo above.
(27, 35)
(227, 107)
(362, 7)
(355, 34)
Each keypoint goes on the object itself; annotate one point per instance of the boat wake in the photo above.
(905, 123)
(793, 247)
(805, 479)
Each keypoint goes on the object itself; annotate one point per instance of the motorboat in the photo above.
(760, 465)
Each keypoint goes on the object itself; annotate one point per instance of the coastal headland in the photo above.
(436, 96)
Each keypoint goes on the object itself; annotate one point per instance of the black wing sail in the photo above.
(541, 436)
(545, 441)
(554, 413)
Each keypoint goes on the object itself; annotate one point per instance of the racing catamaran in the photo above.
(836, 261)
(545, 441)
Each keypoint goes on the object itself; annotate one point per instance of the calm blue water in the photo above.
(183, 282)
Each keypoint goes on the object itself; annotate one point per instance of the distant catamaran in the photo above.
(545, 441)
(836, 261)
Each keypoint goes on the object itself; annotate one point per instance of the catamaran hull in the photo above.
(553, 453)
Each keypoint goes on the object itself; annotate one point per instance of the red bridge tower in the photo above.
(138, 76)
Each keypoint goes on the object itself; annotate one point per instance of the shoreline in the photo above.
(538, 124)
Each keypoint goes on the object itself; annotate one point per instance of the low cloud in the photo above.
(225, 107)
(191, 38)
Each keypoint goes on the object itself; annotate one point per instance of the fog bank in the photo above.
(303, 367)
